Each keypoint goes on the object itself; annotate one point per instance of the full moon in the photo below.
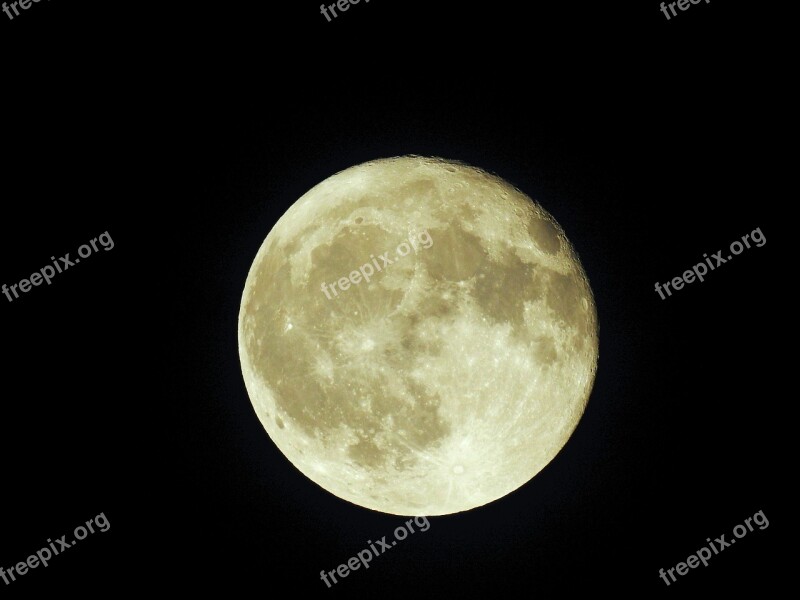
(418, 336)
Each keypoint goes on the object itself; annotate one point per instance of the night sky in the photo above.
(186, 132)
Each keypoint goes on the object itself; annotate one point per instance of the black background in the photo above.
(186, 132)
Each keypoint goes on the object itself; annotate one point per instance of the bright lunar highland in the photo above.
(418, 336)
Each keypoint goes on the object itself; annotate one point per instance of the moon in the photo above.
(417, 336)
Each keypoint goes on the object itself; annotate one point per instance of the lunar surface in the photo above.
(447, 377)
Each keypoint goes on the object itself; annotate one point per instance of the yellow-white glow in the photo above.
(449, 379)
